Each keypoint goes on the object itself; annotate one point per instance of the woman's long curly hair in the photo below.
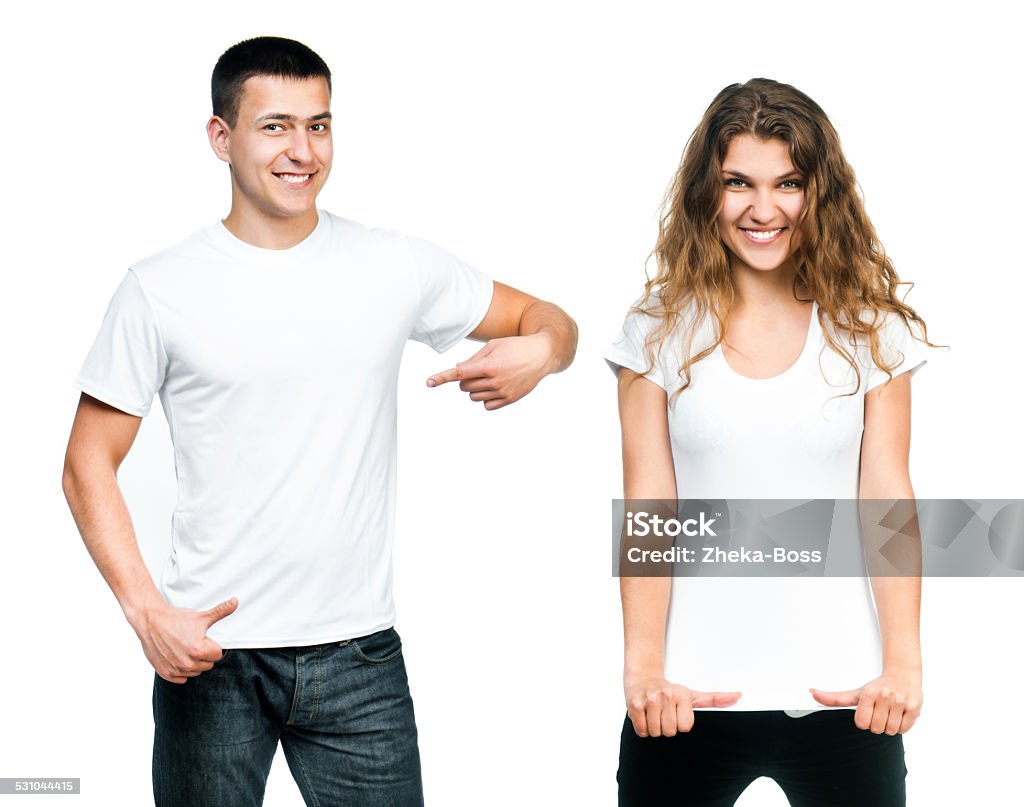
(838, 257)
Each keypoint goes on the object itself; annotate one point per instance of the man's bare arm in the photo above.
(527, 339)
(174, 639)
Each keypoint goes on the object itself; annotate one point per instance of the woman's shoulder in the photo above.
(891, 326)
(673, 329)
(656, 307)
(653, 336)
(897, 339)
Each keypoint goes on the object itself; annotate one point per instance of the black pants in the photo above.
(819, 760)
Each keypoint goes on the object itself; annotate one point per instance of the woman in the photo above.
(769, 358)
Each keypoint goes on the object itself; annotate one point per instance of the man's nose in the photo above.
(299, 149)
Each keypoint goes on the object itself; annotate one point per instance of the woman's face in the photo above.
(762, 197)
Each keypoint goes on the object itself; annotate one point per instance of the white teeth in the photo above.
(295, 179)
(763, 235)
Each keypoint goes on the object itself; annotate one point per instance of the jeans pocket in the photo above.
(378, 648)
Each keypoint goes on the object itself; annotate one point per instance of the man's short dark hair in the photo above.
(261, 56)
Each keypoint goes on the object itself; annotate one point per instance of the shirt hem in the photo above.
(303, 641)
(761, 706)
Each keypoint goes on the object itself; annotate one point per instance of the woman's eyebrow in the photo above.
(741, 175)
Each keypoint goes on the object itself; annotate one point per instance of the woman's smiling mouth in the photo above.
(762, 236)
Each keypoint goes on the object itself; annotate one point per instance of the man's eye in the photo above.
(273, 127)
(319, 127)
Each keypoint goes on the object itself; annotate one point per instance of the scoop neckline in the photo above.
(796, 362)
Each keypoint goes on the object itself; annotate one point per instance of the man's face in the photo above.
(280, 148)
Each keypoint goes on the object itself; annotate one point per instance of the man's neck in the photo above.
(271, 233)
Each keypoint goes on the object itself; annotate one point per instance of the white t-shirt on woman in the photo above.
(791, 436)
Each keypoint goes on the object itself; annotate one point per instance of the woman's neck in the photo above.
(758, 290)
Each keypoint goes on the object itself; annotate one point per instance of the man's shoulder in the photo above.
(194, 247)
(347, 230)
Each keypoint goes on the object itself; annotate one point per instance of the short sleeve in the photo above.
(127, 363)
(629, 348)
(453, 296)
(898, 347)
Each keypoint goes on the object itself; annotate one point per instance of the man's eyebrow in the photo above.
(286, 117)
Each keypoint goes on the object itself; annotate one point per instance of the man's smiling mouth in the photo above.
(294, 179)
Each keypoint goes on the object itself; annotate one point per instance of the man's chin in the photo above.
(292, 211)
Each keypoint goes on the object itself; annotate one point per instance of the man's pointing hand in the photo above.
(502, 371)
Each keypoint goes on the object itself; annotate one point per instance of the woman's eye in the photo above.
(732, 182)
(792, 184)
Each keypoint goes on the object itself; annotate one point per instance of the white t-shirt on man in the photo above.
(791, 436)
(277, 371)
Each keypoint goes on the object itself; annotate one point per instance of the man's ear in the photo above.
(219, 133)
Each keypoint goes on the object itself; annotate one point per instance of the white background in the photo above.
(534, 140)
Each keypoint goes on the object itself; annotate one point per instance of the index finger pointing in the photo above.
(849, 697)
(466, 370)
(443, 378)
(702, 700)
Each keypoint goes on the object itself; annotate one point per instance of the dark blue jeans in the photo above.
(341, 710)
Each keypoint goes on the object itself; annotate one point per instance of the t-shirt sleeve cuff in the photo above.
(616, 358)
(910, 365)
(486, 297)
(107, 397)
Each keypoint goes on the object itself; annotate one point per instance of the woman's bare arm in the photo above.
(656, 706)
(892, 702)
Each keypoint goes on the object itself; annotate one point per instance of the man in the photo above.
(274, 339)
